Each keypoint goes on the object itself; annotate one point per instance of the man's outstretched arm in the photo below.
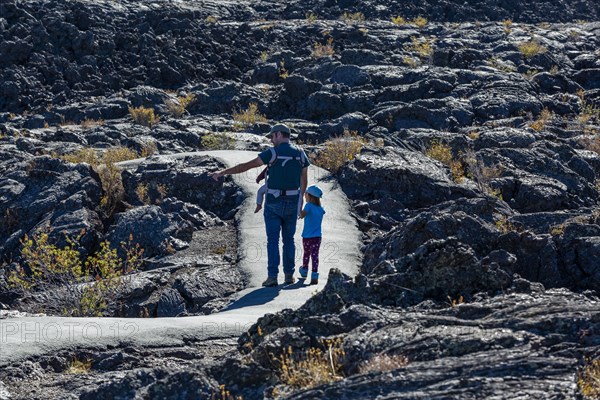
(238, 169)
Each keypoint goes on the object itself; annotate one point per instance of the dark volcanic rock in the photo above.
(406, 178)
(185, 179)
(156, 228)
(49, 194)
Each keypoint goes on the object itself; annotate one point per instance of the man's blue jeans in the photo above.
(281, 215)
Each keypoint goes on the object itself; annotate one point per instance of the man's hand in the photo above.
(216, 175)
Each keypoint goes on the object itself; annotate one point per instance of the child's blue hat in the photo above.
(315, 191)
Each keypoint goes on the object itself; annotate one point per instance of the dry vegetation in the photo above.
(544, 118)
(382, 363)
(110, 173)
(443, 153)
(313, 366)
(588, 379)
(531, 48)
(339, 150)
(218, 141)
(143, 116)
(248, 117)
(323, 50)
(177, 107)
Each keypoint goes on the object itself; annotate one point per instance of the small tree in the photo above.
(56, 280)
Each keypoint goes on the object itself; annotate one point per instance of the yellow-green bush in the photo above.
(72, 286)
(442, 153)
(531, 48)
(423, 48)
(420, 21)
(339, 150)
(143, 116)
(398, 20)
(178, 107)
(218, 141)
(248, 117)
(79, 367)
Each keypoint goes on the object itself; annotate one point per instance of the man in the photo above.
(287, 179)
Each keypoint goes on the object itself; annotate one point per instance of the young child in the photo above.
(260, 195)
(311, 234)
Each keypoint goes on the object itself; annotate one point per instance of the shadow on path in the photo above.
(254, 298)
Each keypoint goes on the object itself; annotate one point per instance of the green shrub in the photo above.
(218, 141)
(69, 285)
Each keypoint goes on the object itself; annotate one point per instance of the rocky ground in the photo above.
(480, 271)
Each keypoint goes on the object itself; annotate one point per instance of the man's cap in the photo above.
(278, 128)
(315, 191)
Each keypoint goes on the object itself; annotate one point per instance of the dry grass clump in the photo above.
(443, 153)
(340, 150)
(504, 225)
(592, 144)
(539, 124)
(420, 21)
(588, 111)
(248, 117)
(352, 18)
(588, 379)
(323, 50)
(141, 191)
(531, 48)
(224, 394)
(482, 174)
(399, 20)
(143, 116)
(311, 18)
(91, 123)
(79, 367)
(218, 141)
(312, 367)
(178, 107)
(382, 363)
(423, 48)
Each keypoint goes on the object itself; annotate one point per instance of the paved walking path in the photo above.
(25, 337)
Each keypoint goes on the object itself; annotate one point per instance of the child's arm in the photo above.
(261, 176)
(303, 214)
